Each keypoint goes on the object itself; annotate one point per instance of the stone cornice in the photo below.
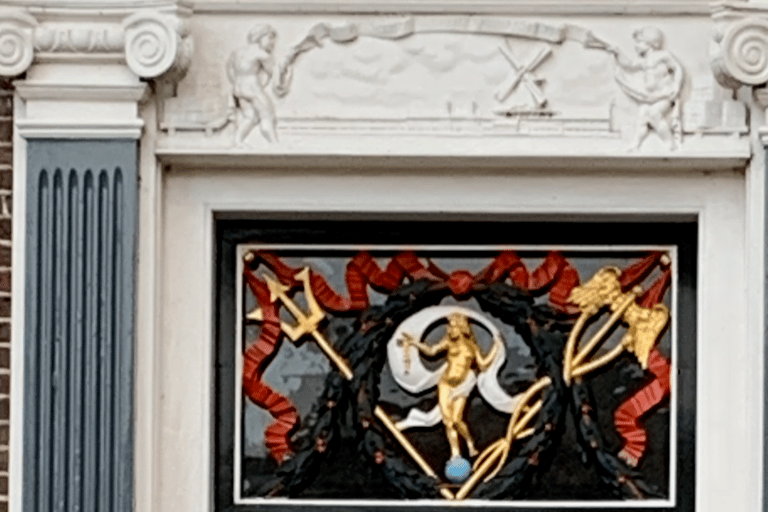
(729, 10)
(501, 7)
(153, 41)
(94, 10)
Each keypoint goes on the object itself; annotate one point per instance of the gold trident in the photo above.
(307, 324)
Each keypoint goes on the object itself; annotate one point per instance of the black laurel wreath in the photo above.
(344, 413)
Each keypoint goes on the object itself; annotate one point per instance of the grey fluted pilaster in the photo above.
(80, 252)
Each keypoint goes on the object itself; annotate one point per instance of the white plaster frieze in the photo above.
(258, 81)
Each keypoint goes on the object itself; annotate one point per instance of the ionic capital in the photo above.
(740, 44)
(157, 44)
(153, 43)
(16, 41)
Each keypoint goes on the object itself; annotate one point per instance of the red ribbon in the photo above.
(361, 271)
(627, 418)
(255, 362)
(555, 274)
(638, 271)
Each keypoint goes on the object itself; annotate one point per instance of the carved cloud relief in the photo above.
(462, 71)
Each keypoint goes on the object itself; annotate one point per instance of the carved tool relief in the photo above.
(523, 73)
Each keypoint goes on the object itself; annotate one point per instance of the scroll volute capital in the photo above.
(740, 51)
(16, 41)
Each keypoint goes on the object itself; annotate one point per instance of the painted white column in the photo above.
(740, 61)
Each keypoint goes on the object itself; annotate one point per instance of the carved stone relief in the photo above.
(253, 68)
(79, 40)
(524, 73)
(496, 77)
(654, 79)
(250, 70)
(157, 43)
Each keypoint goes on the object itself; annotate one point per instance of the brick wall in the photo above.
(6, 179)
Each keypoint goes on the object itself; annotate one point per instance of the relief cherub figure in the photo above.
(250, 69)
(463, 353)
(658, 89)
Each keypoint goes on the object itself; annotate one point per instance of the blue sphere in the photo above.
(457, 470)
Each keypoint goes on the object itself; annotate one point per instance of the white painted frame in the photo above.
(728, 460)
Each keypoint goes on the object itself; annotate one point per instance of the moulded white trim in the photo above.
(94, 10)
(78, 58)
(763, 134)
(514, 161)
(726, 8)
(58, 129)
(146, 419)
(716, 199)
(18, 285)
(59, 92)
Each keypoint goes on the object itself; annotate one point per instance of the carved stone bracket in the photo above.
(152, 43)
